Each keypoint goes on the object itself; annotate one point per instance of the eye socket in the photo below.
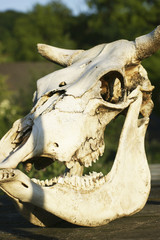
(112, 88)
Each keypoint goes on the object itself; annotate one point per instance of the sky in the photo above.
(77, 6)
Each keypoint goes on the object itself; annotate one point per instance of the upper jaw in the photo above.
(22, 140)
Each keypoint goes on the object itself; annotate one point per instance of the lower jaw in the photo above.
(95, 199)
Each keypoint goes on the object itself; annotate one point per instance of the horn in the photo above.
(63, 57)
(148, 44)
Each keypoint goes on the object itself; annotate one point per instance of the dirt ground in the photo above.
(144, 225)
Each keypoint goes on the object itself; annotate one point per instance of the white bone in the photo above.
(67, 123)
(148, 44)
(119, 196)
(61, 56)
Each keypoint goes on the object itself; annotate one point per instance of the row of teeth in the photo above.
(93, 157)
(87, 182)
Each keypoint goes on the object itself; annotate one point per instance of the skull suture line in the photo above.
(71, 109)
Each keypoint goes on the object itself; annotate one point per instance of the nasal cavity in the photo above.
(24, 185)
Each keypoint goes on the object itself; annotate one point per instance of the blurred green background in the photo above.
(55, 24)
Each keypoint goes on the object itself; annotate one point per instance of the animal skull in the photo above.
(71, 109)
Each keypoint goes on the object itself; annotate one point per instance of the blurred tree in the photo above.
(152, 67)
(80, 31)
(112, 20)
(46, 24)
(7, 40)
(9, 110)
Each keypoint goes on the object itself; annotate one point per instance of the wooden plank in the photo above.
(155, 171)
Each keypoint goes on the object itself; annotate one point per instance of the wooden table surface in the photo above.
(144, 225)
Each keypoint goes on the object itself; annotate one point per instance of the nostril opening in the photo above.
(24, 185)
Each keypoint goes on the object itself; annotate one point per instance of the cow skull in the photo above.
(71, 109)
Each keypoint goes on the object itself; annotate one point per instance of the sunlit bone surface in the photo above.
(71, 109)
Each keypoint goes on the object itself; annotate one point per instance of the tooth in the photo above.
(37, 181)
(86, 164)
(101, 150)
(90, 182)
(54, 180)
(94, 180)
(66, 179)
(97, 183)
(100, 174)
(87, 182)
(34, 180)
(42, 183)
(70, 180)
(50, 182)
(73, 180)
(47, 182)
(95, 156)
(94, 173)
(70, 164)
(78, 181)
(88, 161)
(91, 163)
(61, 180)
(82, 182)
(101, 180)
